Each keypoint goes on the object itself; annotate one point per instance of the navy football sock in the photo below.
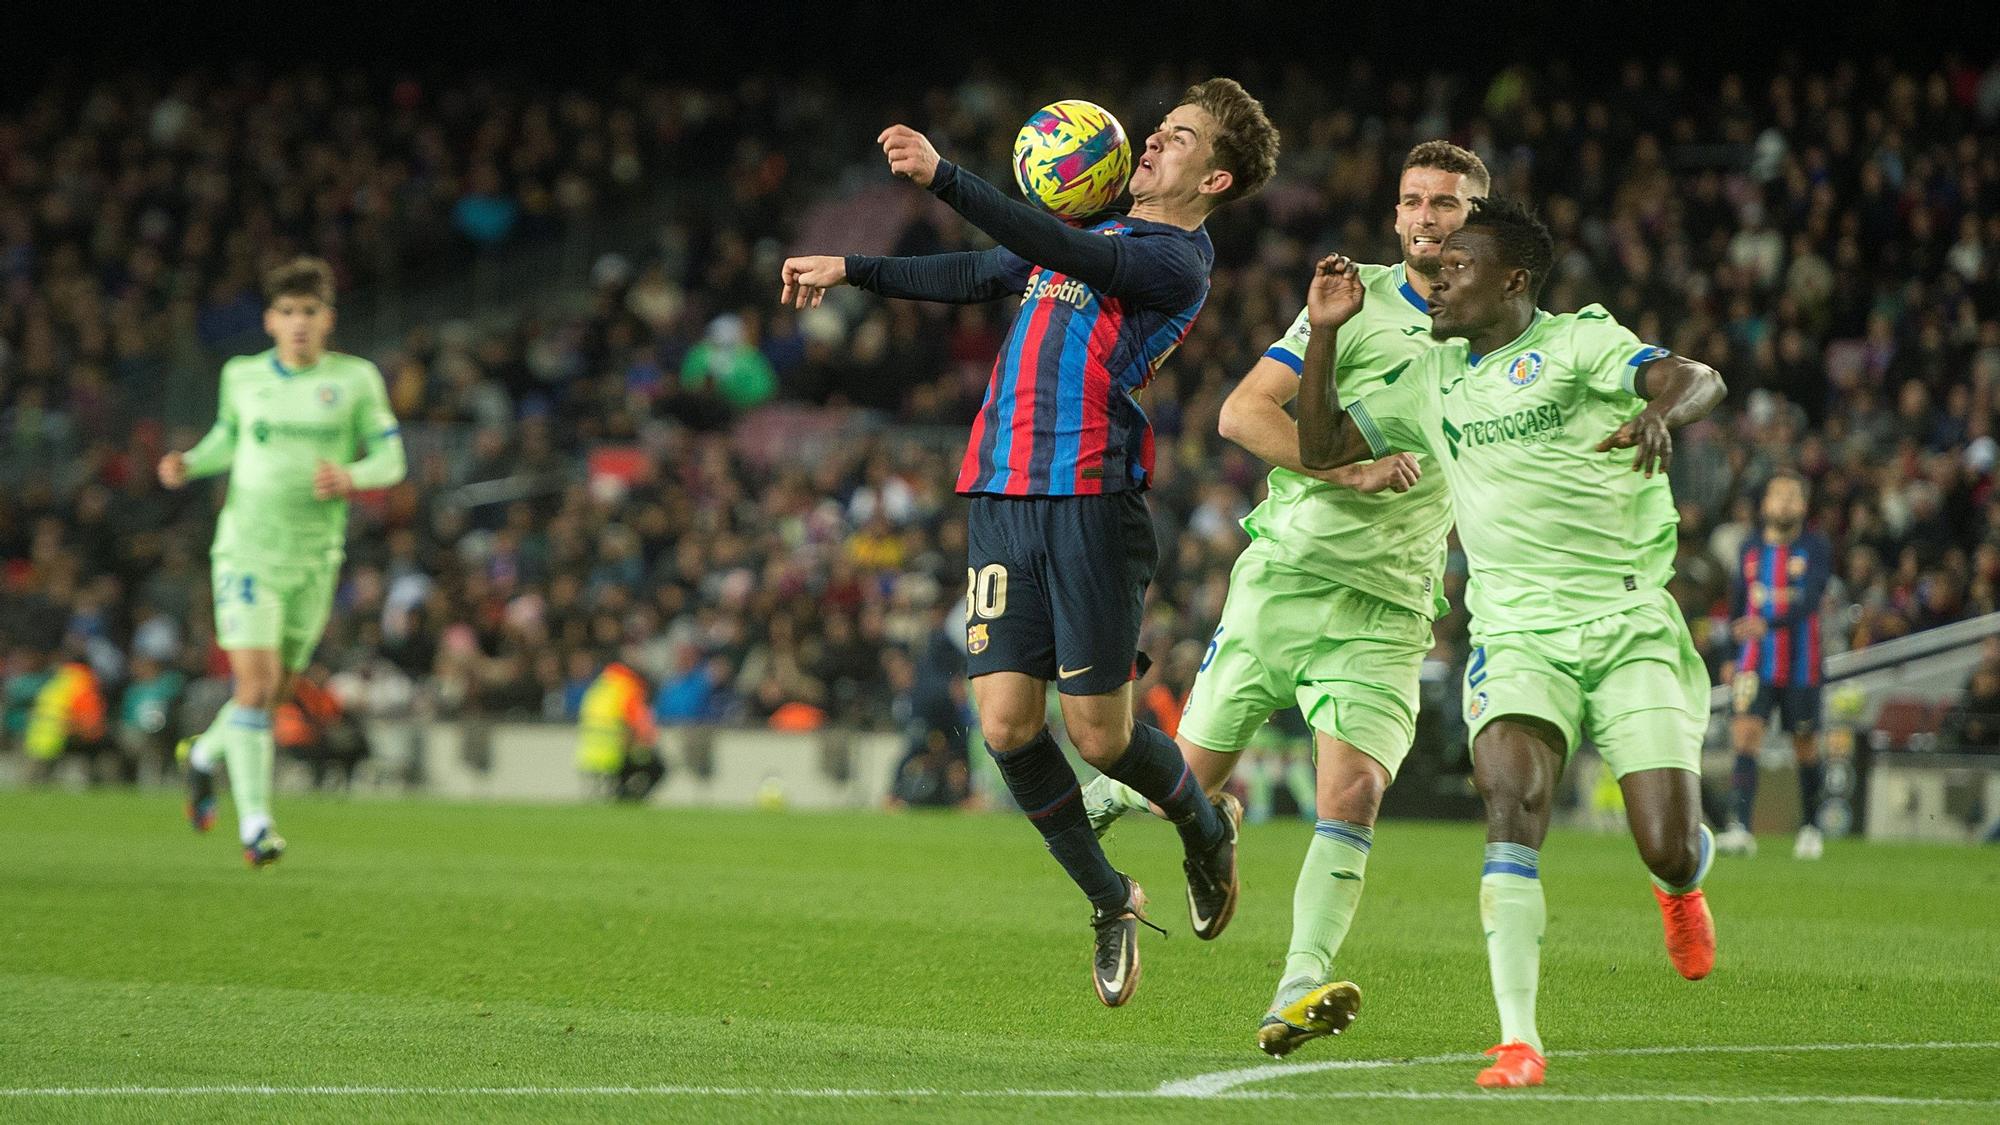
(1045, 787)
(1743, 787)
(1153, 765)
(1812, 782)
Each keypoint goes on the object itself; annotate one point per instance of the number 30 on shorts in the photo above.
(986, 591)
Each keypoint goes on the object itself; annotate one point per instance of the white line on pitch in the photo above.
(921, 1092)
(1225, 1081)
(1221, 1085)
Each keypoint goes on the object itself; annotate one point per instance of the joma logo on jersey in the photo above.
(1068, 290)
(1537, 424)
(1525, 369)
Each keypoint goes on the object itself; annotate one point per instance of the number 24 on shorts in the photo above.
(245, 586)
(986, 591)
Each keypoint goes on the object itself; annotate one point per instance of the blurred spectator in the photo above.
(69, 719)
(617, 744)
(935, 771)
(312, 727)
(147, 714)
(1972, 725)
(773, 535)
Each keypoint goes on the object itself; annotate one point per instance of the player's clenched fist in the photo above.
(173, 470)
(807, 279)
(331, 482)
(1397, 472)
(1335, 294)
(910, 154)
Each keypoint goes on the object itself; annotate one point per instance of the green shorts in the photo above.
(1632, 680)
(273, 606)
(1350, 660)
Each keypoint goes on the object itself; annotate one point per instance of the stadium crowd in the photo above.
(753, 505)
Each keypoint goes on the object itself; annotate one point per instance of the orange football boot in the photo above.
(1690, 932)
(1514, 1064)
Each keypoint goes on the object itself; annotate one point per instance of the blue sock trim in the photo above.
(1360, 837)
(1512, 859)
(244, 717)
(1707, 852)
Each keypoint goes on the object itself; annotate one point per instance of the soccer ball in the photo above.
(1072, 159)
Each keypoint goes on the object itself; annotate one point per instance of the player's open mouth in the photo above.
(1146, 162)
(1425, 240)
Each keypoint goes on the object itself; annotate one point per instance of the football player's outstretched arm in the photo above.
(1328, 437)
(1118, 267)
(962, 278)
(1678, 390)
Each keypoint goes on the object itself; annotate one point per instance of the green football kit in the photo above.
(1570, 550)
(277, 549)
(1330, 606)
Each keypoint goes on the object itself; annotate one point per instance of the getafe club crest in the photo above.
(328, 395)
(976, 639)
(1525, 369)
(1476, 706)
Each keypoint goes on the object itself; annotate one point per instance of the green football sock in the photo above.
(1328, 892)
(208, 744)
(251, 752)
(1105, 800)
(1514, 914)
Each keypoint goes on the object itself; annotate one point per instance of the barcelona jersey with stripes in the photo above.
(1060, 417)
(1783, 583)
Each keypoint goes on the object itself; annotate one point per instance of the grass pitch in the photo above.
(426, 961)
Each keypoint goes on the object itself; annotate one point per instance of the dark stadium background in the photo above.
(796, 95)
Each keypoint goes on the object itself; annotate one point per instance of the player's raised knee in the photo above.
(1513, 804)
(1354, 796)
(1004, 735)
(1669, 852)
(1100, 745)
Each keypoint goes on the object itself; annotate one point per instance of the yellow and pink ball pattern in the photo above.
(1072, 159)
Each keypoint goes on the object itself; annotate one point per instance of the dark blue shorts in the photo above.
(1055, 586)
(1797, 705)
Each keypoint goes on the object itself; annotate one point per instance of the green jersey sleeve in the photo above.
(1395, 416)
(375, 424)
(1290, 349)
(1609, 354)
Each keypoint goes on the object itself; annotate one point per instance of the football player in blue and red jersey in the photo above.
(1780, 579)
(1060, 548)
